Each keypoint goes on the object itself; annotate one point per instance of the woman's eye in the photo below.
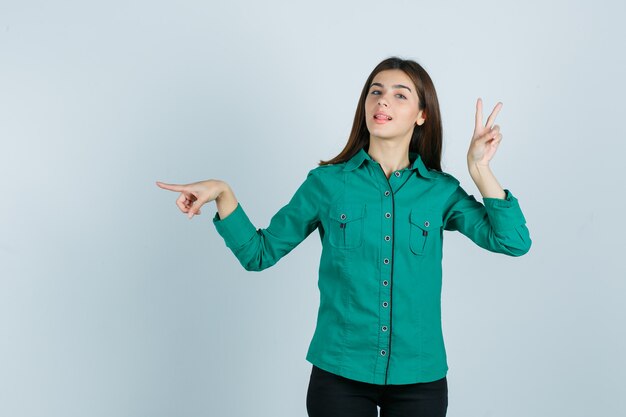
(377, 92)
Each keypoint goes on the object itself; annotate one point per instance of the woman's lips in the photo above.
(381, 121)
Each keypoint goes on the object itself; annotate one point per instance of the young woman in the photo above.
(380, 208)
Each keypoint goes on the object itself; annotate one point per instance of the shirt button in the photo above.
(387, 215)
(385, 283)
(387, 193)
(343, 216)
(397, 173)
(387, 238)
(383, 352)
(385, 303)
(426, 223)
(385, 261)
(384, 328)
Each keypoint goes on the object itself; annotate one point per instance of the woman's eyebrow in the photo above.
(393, 86)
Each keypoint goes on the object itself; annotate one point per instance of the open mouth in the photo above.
(381, 118)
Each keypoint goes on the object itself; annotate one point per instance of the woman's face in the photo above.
(391, 106)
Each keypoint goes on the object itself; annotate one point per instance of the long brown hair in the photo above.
(426, 139)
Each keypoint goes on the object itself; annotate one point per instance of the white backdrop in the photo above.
(113, 303)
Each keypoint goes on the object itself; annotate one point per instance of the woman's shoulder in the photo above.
(445, 176)
(327, 170)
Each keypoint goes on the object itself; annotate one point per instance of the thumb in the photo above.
(484, 138)
(195, 208)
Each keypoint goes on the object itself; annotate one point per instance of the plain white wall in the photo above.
(113, 303)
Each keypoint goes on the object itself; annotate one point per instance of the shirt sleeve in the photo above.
(258, 249)
(498, 225)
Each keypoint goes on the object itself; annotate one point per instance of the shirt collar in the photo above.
(356, 161)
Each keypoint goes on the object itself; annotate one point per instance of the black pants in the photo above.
(331, 395)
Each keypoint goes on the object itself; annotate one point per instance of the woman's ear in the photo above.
(421, 118)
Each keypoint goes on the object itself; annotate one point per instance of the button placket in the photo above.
(386, 271)
(388, 250)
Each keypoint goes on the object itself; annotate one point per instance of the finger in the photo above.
(171, 187)
(492, 116)
(495, 141)
(483, 140)
(479, 114)
(488, 136)
(492, 133)
(195, 208)
(182, 204)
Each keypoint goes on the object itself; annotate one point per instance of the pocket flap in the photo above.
(347, 212)
(425, 220)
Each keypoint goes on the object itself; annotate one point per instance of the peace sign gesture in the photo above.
(485, 139)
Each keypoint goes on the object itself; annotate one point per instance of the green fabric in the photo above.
(379, 319)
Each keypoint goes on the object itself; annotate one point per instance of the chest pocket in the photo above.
(425, 230)
(346, 225)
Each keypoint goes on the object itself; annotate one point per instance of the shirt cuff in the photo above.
(504, 214)
(236, 228)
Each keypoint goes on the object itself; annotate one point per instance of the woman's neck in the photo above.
(391, 156)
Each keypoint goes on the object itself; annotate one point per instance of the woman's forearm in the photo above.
(226, 202)
(485, 181)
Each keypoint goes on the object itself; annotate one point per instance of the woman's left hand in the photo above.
(485, 139)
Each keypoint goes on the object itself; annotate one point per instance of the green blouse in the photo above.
(379, 319)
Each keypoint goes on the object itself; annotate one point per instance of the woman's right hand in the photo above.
(194, 195)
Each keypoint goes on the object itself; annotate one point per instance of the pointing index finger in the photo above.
(171, 187)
